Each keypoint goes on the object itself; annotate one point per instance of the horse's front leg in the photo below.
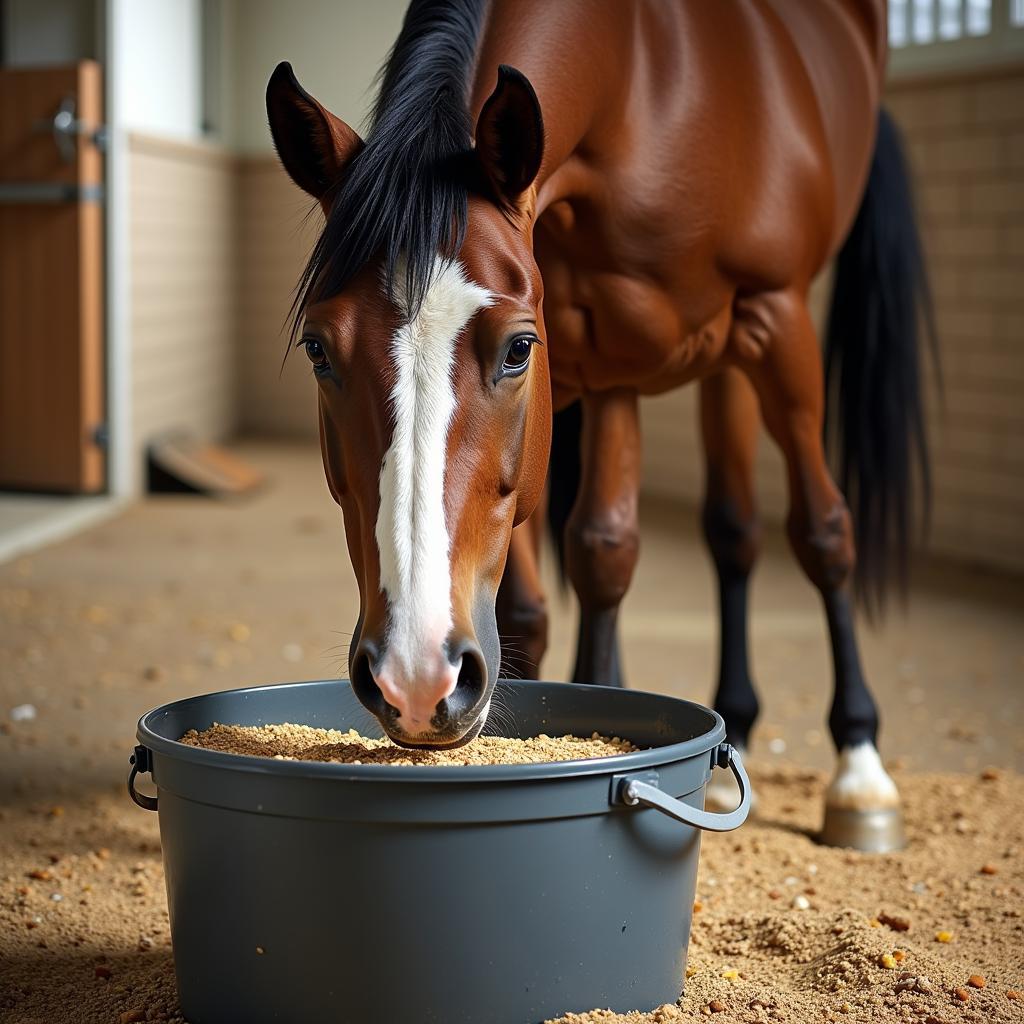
(778, 347)
(521, 608)
(602, 537)
(730, 424)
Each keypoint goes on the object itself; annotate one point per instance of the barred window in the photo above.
(939, 34)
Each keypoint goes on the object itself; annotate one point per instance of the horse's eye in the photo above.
(518, 354)
(315, 352)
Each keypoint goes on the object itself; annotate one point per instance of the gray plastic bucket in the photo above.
(486, 895)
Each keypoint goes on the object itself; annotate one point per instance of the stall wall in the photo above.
(185, 269)
(172, 229)
(335, 49)
(277, 228)
(966, 141)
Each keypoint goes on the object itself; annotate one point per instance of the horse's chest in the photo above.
(613, 324)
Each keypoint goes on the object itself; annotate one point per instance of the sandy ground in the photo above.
(181, 596)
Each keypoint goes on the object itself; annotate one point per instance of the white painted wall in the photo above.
(160, 66)
(335, 47)
(219, 60)
(154, 86)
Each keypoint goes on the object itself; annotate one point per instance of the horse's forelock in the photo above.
(404, 197)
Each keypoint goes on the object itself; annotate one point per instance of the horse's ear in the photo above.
(510, 136)
(313, 144)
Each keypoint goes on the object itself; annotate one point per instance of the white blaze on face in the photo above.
(412, 534)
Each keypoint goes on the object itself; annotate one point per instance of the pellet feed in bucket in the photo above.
(290, 742)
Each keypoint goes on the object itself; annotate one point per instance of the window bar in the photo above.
(980, 17)
(896, 27)
(962, 19)
(924, 27)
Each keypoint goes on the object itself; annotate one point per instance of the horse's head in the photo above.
(422, 321)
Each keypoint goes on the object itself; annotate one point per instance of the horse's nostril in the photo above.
(469, 687)
(365, 686)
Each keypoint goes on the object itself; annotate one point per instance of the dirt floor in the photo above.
(181, 596)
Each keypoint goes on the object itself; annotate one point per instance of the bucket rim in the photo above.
(644, 759)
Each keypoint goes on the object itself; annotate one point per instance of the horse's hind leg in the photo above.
(776, 343)
(602, 538)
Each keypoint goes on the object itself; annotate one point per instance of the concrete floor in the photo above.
(182, 595)
(31, 521)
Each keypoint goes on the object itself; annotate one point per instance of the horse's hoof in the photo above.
(723, 793)
(878, 831)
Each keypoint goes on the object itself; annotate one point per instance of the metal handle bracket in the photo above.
(640, 789)
(141, 760)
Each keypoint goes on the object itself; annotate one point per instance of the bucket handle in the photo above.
(634, 790)
(141, 760)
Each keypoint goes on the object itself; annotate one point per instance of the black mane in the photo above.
(404, 194)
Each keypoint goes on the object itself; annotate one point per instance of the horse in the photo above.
(561, 206)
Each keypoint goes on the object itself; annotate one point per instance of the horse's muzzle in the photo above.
(445, 707)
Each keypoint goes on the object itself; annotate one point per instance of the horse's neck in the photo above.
(574, 53)
(637, 96)
(680, 135)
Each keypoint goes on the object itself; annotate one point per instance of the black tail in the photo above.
(564, 475)
(880, 303)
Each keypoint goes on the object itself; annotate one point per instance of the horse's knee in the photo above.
(601, 555)
(733, 537)
(824, 546)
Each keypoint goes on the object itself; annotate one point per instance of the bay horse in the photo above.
(569, 204)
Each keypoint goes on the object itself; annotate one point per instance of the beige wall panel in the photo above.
(277, 229)
(185, 259)
(964, 141)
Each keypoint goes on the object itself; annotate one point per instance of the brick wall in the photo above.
(965, 139)
(966, 144)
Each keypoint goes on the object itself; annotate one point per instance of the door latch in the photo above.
(66, 129)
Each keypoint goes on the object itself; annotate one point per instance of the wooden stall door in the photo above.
(51, 279)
